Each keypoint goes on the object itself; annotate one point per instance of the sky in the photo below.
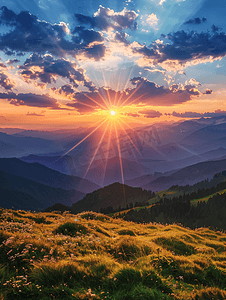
(66, 64)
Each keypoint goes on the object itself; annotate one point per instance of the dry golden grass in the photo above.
(102, 253)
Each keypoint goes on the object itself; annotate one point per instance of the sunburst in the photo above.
(112, 124)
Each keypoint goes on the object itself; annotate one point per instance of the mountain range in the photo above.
(160, 155)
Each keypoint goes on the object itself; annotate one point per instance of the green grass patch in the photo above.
(72, 229)
(175, 245)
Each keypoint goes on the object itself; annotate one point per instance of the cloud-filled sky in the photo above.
(65, 63)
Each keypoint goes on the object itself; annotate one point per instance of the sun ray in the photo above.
(85, 104)
(109, 98)
(105, 102)
(119, 154)
(118, 103)
(96, 102)
(95, 153)
(136, 89)
(130, 103)
(129, 137)
(86, 137)
(107, 154)
(116, 91)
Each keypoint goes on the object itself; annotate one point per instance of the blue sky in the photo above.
(62, 62)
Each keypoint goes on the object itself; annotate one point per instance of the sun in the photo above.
(112, 112)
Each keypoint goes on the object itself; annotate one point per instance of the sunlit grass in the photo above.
(93, 256)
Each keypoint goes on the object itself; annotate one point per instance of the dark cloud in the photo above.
(134, 115)
(12, 61)
(65, 90)
(150, 113)
(28, 34)
(2, 65)
(150, 93)
(185, 47)
(95, 51)
(84, 36)
(208, 92)
(105, 19)
(145, 92)
(47, 69)
(121, 37)
(34, 114)
(196, 21)
(190, 114)
(6, 82)
(215, 28)
(29, 99)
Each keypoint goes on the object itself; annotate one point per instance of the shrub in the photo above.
(127, 249)
(71, 229)
(177, 246)
(150, 279)
(209, 294)
(54, 275)
(126, 232)
(128, 276)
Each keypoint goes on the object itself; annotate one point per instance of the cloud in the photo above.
(30, 99)
(65, 90)
(152, 21)
(150, 93)
(215, 28)
(183, 47)
(193, 82)
(106, 19)
(84, 36)
(12, 61)
(134, 115)
(34, 114)
(120, 37)
(155, 71)
(6, 82)
(208, 92)
(3, 66)
(190, 114)
(150, 113)
(196, 21)
(47, 69)
(144, 91)
(28, 34)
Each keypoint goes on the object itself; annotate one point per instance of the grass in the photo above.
(47, 256)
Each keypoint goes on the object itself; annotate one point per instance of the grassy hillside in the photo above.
(92, 256)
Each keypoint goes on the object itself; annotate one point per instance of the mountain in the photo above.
(26, 145)
(63, 164)
(211, 144)
(44, 175)
(144, 180)
(11, 130)
(206, 134)
(48, 135)
(189, 175)
(22, 193)
(112, 172)
(115, 196)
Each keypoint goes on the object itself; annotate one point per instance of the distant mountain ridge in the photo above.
(112, 197)
(44, 175)
(22, 193)
(188, 175)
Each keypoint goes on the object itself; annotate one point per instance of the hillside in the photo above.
(189, 175)
(21, 145)
(92, 256)
(113, 197)
(22, 193)
(44, 175)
